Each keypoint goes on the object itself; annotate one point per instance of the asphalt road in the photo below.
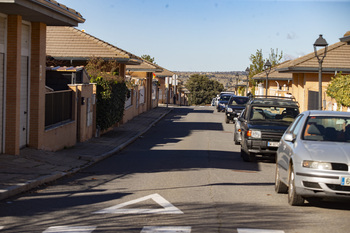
(184, 175)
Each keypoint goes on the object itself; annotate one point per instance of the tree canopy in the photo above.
(202, 89)
(339, 89)
(148, 58)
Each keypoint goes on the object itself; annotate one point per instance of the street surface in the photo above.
(184, 175)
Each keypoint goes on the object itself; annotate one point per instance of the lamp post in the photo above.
(237, 78)
(267, 68)
(322, 43)
(247, 73)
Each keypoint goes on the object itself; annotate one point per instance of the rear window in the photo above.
(273, 113)
(327, 128)
(238, 101)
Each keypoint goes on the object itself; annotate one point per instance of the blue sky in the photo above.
(213, 35)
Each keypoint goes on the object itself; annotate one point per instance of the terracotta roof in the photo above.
(165, 73)
(337, 59)
(145, 66)
(68, 43)
(49, 12)
(274, 74)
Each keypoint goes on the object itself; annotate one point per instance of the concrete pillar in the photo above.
(37, 85)
(13, 84)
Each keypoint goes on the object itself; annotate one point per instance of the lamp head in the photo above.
(320, 42)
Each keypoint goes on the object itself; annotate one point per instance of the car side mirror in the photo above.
(289, 137)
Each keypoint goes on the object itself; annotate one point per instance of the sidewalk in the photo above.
(35, 167)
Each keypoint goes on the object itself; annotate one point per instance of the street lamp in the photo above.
(322, 43)
(237, 79)
(247, 73)
(267, 68)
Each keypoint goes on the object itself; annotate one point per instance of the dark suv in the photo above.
(234, 107)
(263, 123)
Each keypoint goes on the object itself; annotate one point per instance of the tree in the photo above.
(257, 63)
(202, 89)
(339, 89)
(148, 58)
(275, 58)
(111, 91)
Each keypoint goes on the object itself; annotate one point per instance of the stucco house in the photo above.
(23, 26)
(305, 69)
(279, 84)
(73, 47)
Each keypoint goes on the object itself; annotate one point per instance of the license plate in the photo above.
(273, 144)
(345, 181)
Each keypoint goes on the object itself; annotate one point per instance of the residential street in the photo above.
(184, 175)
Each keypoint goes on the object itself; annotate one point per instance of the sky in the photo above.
(213, 35)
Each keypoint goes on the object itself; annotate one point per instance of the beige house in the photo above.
(72, 47)
(279, 84)
(304, 71)
(23, 26)
(144, 94)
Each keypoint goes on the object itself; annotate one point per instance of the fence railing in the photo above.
(58, 107)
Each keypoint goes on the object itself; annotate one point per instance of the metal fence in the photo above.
(58, 107)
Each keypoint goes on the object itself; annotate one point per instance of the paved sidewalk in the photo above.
(35, 167)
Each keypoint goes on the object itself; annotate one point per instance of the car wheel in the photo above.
(247, 157)
(293, 198)
(280, 187)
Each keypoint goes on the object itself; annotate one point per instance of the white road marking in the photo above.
(157, 229)
(70, 229)
(1, 227)
(168, 208)
(251, 230)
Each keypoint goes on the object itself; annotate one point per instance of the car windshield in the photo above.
(273, 113)
(327, 128)
(238, 101)
(225, 97)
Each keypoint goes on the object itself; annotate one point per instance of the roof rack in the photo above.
(263, 99)
(275, 97)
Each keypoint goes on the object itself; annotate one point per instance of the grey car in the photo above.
(313, 158)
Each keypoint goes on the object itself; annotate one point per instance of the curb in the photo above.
(23, 187)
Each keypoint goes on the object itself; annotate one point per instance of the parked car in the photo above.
(234, 107)
(222, 102)
(313, 159)
(263, 124)
(237, 133)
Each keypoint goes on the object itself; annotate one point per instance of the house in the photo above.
(164, 93)
(63, 81)
(72, 47)
(305, 69)
(279, 84)
(144, 93)
(23, 26)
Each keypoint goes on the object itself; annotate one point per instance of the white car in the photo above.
(313, 158)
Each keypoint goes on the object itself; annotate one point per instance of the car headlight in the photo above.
(254, 133)
(317, 165)
(229, 110)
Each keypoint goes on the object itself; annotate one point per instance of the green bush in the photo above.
(110, 95)
(339, 89)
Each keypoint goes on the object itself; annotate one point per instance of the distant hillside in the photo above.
(228, 79)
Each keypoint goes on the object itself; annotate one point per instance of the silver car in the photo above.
(313, 158)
